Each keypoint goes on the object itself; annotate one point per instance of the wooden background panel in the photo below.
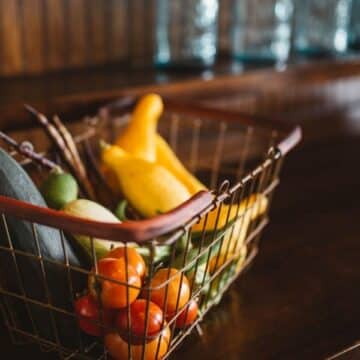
(97, 50)
(118, 33)
(11, 41)
(32, 19)
(76, 33)
(38, 36)
(141, 15)
(54, 35)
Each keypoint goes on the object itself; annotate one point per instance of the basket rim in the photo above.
(291, 133)
(140, 231)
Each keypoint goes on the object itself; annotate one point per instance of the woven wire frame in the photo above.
(214, 264)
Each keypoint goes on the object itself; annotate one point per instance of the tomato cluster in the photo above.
(116, 308)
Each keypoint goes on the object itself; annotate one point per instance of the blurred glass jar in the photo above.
(354, 32)
(261, 30)
(321, 26)
(186, 33)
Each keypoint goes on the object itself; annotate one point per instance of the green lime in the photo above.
(59, 189)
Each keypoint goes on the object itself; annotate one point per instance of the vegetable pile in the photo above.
(128, 309)
(122, 302)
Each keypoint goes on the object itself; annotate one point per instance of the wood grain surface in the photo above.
(39, 36)
(11, 38)
(76, 34)
(33, 27)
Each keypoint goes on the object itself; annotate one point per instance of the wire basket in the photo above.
(209, 240)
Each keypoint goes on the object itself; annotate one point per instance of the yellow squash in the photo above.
(150, 188)
(235, 235)
(241, 259)
(219, 260)
(167, 158)
(138, 138)
(250, 208)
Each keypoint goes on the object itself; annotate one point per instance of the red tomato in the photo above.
(138, 317)
(188, 315)
(114, 295)
(88, 313)
(177, 287)
(132, 256)
(118, 348)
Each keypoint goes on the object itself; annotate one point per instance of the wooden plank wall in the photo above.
(38, 36)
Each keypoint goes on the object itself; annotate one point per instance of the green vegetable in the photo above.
(59, 189)
(190, 263)
(120, 210)
(200, 278)
(91, 210)
(217, 285)
(161, 253)
(183, 243)
(16, 184)
(190, 259)
(193, 253)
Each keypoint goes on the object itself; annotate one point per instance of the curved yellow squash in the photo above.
(138, 138)
(249, 208)
(167, 158)
(150, 188)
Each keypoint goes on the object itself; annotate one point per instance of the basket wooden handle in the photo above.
(127, 231)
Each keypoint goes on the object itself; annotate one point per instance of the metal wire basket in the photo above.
(238, 156)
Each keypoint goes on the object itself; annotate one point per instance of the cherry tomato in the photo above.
(188, 315)
(114, 295)
(138, 317)
(90, 320)
(177, 287)
(118, 348)
(133, 258)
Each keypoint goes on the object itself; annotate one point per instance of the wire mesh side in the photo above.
(227, 259)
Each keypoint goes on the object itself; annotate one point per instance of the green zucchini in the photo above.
(27, 275)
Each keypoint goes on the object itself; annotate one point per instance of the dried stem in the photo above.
(94, 165)
(65, 153)
(70, 143)
(28, 152)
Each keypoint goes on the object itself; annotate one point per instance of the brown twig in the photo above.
(111, 197)
(77, 162)
(65, 153)
(93, 163)
(28, 152)
(70, 143)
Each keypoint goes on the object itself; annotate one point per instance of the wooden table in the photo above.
(300, 299)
